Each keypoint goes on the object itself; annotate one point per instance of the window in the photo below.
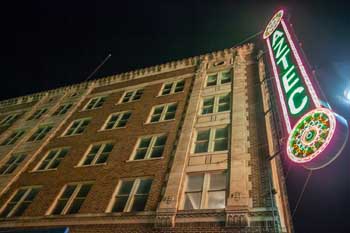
(174, 87)
(132, 195)
(95, 103)
(205, 191)
(52, 159)
(215, 104)
(40, 133)
(219, 78)
(97, 154)
(12, 164)
(71, 199)
(117, 120)
(163, 112)
(13, 138)
(63, 109)
(132, 95)
(9, 119)
(212, 139)
(20, 202)
(77, 127)
(37, 114)
(150, 147)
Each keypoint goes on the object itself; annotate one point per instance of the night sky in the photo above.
(50, 44)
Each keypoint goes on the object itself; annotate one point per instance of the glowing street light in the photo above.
(347, 94)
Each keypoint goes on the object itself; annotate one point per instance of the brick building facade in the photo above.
(178, 147)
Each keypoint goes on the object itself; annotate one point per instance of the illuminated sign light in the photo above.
(317, 135)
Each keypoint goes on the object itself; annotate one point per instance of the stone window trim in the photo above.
(40, 133)
(218, 78)
(12, 163)
(173, 87)
(163, 114)
(9, 119)
(149, 148)
(131, 194)
(81, 121)
(131, 96)
(28, 190)
(97, 154)
(52, 160)
(95, 103)
(216, 104)
(211, 140)
(62, 109)
(71, 198)
(205, 189)
(13, 137)
(37, 114)
(121, 118)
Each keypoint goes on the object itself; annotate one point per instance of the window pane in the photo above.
(203, 135)
(216, 200)
(32, 194)
(145, 142)
(217, 181)
(140, 153)
(75, 207)
(167, 89)
(180, 86)
(119, 204)
(68, 191)
(144, 187)
(201, 147)
(103, 158)
(160, 141)
(59, 206)
(221, 133)
(94, 149)
(18, 195)
(126, 187)
(84, 190)
(192, 201)
(211, 80)
(7, 210)
(155, 118)
(225, 77)
(139, 203)
(20, 209)
(194, 183)
(220, 144)
(157, 152)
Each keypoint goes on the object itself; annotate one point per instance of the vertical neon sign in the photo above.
(316, 135)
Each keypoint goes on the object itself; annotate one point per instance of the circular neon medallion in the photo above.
(273, 24)
(311, 135)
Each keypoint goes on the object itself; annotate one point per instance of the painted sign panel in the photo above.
(316, 135)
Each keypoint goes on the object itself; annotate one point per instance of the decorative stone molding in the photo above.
(236, 220)
(164, 220)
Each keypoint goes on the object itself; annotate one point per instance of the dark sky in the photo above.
(49, 44)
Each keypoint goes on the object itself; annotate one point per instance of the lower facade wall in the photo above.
(149, 228)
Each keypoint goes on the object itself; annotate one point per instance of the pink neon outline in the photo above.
(333, 124)
(280, 93)
(301, 67)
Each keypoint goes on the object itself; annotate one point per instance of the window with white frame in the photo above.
(163, 112)
(77, 127)
(52, 159)
(205, 191)
(150, 147)
(71, 199)
(174, 87)
(63, 109)
(131, 195)
(41, 132)
(12, 163)
(12, 139)
(95, 103)
(97, 154)
(211, 140)
(219, 78)
(214, 104)
(19, 202)
(9, 119)
(132, 96)
(117, 120)
(37, 114)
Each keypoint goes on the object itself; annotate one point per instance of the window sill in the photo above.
(209, 153)
(164, 121)
(138, 160)
(106, 130)
(46, 170)
(90, 165)
(121, 103)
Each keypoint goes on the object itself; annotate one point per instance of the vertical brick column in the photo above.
(168, 206)
(239, 200)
